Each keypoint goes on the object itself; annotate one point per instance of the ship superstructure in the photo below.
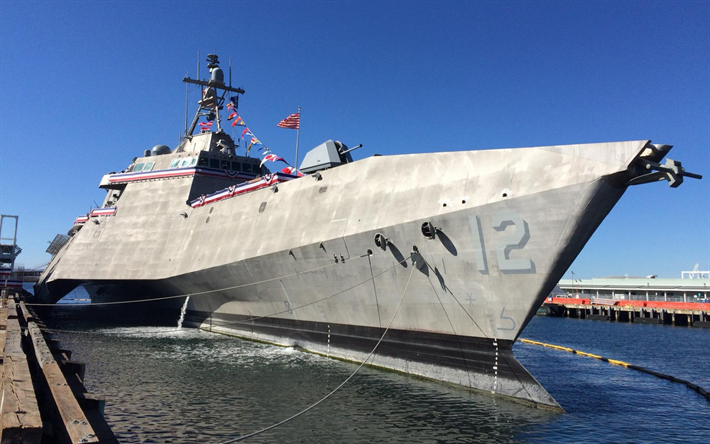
(455, 251)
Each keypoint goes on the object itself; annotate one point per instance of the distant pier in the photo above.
(695, 314)
(643, 300)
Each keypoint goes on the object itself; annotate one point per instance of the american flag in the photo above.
(291, 121)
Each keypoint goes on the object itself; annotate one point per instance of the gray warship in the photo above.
(454, 252)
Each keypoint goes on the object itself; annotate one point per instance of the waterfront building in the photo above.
(648, 288)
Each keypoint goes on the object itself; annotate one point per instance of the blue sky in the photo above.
(86, 86)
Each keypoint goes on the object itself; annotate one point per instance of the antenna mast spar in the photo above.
(211, 102)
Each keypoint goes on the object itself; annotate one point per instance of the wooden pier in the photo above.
(695, 314)
(43, 394)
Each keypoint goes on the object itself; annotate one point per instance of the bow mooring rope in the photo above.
(312, 406)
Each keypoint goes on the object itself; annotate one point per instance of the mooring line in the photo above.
(104, 332)
(199, 293)
(246, 321)
(256, 318)
(447, 290)
(704, 393)
(258, 432)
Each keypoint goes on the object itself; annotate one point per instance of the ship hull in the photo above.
(327, 264)
(480, 364)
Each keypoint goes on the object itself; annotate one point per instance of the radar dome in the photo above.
(217, 75)
(161, 149)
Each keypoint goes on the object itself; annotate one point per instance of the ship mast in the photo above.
(211, 102)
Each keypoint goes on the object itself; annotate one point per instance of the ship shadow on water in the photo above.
(168, 385)
(90, 315)
(86, 315)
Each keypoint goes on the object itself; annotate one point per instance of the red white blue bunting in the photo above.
(245, 187)
(107, 211)
(178, 172)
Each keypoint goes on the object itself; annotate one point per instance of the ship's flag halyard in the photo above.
(252, 142)
(247, 132)
(234, 115)
(272, 158)
(292, 171)
(293, 121)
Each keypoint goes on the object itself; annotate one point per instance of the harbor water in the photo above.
(170, 385)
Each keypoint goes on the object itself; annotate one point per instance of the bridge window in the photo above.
(214, 163)
(193, 162)
(236, 166)
(203, 161)
(148, 166)
(185, 162)
(225, 165)
(175, 163)
(246, 168)
(138, 168)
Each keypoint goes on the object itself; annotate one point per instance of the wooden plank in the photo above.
(11, 310)
(24, 313)
(72, 416)
(20, 419)
(3, 327)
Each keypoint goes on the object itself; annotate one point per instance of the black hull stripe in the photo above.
(476, 355)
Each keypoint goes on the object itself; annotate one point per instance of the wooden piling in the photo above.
(632, 311)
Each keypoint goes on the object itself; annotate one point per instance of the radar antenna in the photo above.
(211, 102)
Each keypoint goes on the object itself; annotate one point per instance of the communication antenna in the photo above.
(186, 94)
(211, 99)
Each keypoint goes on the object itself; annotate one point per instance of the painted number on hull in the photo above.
(514, 238)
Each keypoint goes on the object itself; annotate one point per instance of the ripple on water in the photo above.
(188, 386)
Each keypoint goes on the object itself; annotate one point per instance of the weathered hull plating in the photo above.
(299, 265)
